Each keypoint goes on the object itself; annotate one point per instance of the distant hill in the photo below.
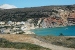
(22, 14)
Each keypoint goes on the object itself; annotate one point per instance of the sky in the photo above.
(36, 3)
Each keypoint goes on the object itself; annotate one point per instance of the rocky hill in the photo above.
(21, 14)
(59, 15)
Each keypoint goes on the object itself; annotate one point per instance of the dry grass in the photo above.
(10, 49)
(61, 40)
(17, 42)
(18, 37)
(38, 40)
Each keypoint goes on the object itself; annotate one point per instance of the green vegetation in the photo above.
(6, 44)
(22, 14)
(21, 32)
(61, 34)
(60, 40)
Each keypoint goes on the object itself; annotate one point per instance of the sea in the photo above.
(66, 31)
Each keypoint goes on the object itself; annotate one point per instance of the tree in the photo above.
(61, 34)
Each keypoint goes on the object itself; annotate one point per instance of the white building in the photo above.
(2, 23)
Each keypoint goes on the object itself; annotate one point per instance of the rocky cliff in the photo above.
(44, 16)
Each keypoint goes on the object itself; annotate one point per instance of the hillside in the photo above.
(44, 16)
(22, 14)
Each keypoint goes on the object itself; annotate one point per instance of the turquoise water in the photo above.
(67, 31)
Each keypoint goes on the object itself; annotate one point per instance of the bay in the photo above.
(66, 31)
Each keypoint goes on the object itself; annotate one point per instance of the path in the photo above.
(51, 46)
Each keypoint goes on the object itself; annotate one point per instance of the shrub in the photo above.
(6, 44)
(61, 34)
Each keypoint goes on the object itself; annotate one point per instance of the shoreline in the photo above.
(66, 31)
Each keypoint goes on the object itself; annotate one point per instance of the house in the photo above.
(2, 23)
(10, 23)
(4, 30)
